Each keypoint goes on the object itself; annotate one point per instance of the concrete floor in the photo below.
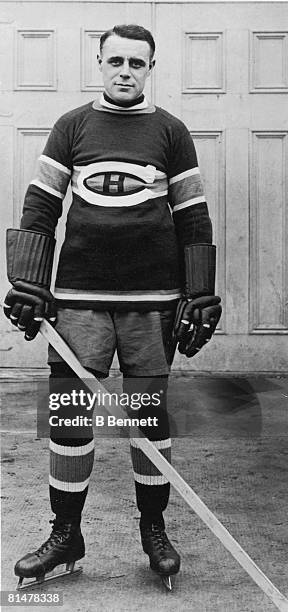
(230, 445)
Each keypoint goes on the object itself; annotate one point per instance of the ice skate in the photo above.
(164, 559)
(64, 546)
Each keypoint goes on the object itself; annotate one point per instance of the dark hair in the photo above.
(133, 31)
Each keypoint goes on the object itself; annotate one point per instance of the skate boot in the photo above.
(65, 545)
(164, 559)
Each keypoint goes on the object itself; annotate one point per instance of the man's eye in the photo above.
(136, 64)
(115, 62)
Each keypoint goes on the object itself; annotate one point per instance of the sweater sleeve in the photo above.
(186, 195)
(44, 196)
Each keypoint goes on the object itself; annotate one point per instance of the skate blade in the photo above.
(42, 579)
(167, 582)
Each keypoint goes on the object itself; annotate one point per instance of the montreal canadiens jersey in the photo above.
(137, 200)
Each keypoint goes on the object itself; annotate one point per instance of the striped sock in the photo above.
(145, 472)
(152, 488)
(71, 459)
(70, 469)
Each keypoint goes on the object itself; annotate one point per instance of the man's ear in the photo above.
(151, 66)
(99, 60)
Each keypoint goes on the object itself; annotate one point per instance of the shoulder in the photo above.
(73, 117)
(172, 122)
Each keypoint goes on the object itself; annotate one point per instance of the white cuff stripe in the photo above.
(48, 189)
(72, 451)
(191, 202)
(54, 163)
(72, 487)
(150, 480)
(159, 444)
(184, 175)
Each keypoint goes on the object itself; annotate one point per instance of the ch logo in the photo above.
(113, 183)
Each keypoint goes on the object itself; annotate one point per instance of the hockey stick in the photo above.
(186, 492)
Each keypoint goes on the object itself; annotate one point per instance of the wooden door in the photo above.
(223, 68)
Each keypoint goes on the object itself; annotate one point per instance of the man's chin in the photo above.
(124, 95)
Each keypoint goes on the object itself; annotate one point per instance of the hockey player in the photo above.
(133, 239)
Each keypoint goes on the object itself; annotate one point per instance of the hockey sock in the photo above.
(152, 488)
(71, 459)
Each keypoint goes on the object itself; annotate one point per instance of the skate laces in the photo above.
(159, 537)
(58, 535)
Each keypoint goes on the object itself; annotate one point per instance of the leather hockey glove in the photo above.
(199, 311)
(29, 270)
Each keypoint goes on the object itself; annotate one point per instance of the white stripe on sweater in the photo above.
(48, 189)
(191, 202)
(183, 175)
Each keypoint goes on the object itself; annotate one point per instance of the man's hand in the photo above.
(195, 323)
(26, 305)
(29, 269)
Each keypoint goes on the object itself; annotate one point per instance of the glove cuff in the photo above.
(29, 257)
(200, 269)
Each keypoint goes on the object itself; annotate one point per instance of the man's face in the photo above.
(125, 65)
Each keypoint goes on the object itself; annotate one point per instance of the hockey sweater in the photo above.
(137, 201)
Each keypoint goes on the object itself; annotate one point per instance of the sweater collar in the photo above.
(140, 104)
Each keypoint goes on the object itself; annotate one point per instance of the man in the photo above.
(137, 203)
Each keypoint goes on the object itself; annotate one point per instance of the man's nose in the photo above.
(125, 70)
